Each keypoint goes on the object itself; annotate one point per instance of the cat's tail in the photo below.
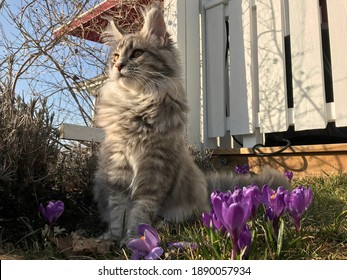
(227, 181)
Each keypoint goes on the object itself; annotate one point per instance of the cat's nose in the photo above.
(119, 66)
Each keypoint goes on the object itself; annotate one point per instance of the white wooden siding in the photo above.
(215, 104)
(256, 91)
(188, 40)
(307, 64)
(271, 66)
(241, 83)
(337, 14)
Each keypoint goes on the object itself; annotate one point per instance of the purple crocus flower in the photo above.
(209, 219)
(242, 169)
(52, 211)
(230, 212)
(147, 245)
(289, 175)
(212, 220)
(245, 240)
(235, 196)
(182, 245)
(299, 200)
(276, 205)
(276, 201)
(256, 198)
(206, 219)
(220, 196)
(234, 218)
(217, 198)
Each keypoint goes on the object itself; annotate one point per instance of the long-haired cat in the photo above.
(145, 169)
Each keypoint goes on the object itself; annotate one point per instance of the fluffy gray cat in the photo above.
(145, 169)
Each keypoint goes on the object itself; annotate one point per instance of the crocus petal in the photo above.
(236, 196)
(255, 196)
(138, 244)
(214, 194)
(154, 254)
(233, 218)
(181, 246)
(149, 235)
(143, 227)
(58, 209)
(269, 213)
(278, 201)
(308, 197)
(242, 169)
(278, 205)
(206, 219)
(289, 175)
(296, 202)
(217, 207)
(267, 193)
(217, 223)
(151, 239)
(245, 240)
(50, 212)
(297, 221)
(247, 206)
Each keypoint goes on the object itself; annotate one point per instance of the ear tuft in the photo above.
(111, 35)
(154, 24)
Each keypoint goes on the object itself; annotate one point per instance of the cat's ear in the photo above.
(154, 24)
(112, 34)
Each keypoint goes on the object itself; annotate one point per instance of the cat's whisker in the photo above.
(148, 82)
(162, 76)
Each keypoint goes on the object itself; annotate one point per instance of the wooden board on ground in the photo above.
(306, 160)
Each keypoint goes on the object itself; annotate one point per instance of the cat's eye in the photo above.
(115, 57)
(137, 53)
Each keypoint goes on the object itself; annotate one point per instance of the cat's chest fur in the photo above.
(134, 119)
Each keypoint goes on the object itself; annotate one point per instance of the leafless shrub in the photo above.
(27, 145)
(76, 166)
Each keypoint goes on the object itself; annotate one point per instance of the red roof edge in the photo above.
(89, 25)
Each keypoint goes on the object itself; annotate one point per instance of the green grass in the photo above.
(323, 234)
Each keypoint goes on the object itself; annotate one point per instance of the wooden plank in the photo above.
(320, 148)
(182, 17)
(215, 45)
(303, 165)
(302, 149)
(81, 133)
(193, 67)
(337, 15)
(307, 65)
(309, 160)
(207, 143)
(241, 85)
(271, 67)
